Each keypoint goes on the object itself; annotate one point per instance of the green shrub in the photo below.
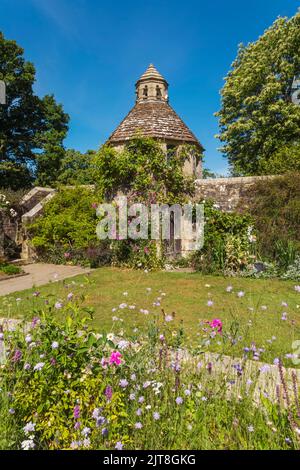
(66, 232)
(274, 205)
(227, 241)
(10, 269)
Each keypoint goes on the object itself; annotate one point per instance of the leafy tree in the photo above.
(76, 167)
(29, 126)
(257, 116)
(283, 161)
(50, 139)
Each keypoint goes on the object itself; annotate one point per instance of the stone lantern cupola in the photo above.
(151, 86)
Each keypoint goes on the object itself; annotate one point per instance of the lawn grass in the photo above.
(187, 294)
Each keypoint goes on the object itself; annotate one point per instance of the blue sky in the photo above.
(89, 54)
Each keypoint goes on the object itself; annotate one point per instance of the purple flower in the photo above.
(141, 400)
(210, 303)
(52, 361)
(58, 305)
(54, 345)
(108, 392)
(123, 383)
(297, 288)
(86, 431)
(132, 396)
(27, 366)
(119, 445)
(100, 420)
(139, 412)
(36, 294)
(104, 432)
(11, 411)
(77, 425)
(156, 415)
(138, 425)
(29, 427)
(76, 412)
(70, 296)
(17, 355)
(179, 401)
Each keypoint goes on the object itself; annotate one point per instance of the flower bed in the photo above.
(65, 386)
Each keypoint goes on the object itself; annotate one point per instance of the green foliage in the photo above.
(142, 169)
(287, 159)
(50, 140)
(31, 128)
(227, 245)
(62, 387)
(275, 207)
(76, 168)
(257, 117)
(67, 229)
(137, 254)
(9, 269)
(293, 270)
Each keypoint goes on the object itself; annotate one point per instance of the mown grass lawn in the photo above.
(256, 317)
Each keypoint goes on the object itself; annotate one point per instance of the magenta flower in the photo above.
(115, 358)
(216, 323)
(67, 255)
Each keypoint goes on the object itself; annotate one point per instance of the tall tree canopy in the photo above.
(257, 116)
(31, 129)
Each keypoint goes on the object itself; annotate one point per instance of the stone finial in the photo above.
(151, 86)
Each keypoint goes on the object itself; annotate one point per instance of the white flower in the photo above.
(39, 366)
(27, 444)
(29, 427)
(54, 345)
(28, 338)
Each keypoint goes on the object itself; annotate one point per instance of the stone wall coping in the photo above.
(233, 179)
(34, 212)
(34, 191)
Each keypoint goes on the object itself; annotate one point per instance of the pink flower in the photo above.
(67, 254)
(94, 205)
(216, 323)
(146, 250)
(115, 358)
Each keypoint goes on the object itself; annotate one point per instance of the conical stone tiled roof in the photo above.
(152, 116)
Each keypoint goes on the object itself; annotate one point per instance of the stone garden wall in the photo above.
(226, 192)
